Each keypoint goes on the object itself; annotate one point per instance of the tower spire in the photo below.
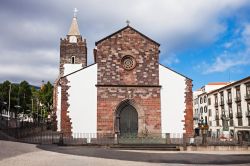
(74, 30)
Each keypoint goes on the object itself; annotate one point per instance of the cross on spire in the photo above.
(75, 12)
(128, 22)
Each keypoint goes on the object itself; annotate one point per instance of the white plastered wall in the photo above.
(69, 68)
(172, 100)
(82, 100)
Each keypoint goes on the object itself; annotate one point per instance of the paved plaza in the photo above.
(20, 154)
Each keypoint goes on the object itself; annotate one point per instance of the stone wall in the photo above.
(109, 56)
(65, 119)
(67, 50)
(146, 101)
(140, 83)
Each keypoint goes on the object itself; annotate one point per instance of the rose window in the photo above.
(128, 62)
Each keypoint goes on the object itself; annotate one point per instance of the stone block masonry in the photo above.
(146, 100)
(65, 119)
(69, 50)
(189, 109)
(116, 83)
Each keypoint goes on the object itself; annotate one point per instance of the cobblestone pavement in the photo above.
(19, 154)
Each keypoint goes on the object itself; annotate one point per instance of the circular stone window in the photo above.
(128, 62)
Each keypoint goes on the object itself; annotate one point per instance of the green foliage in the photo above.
(30, 99)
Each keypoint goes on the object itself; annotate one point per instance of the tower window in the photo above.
(73, 59)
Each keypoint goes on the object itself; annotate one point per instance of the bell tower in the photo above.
(73, 49)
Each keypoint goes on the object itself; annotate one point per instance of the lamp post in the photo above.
(9, 107)
(18, 107)
(2, 107)
(204, 130)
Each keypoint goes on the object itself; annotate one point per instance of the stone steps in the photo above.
(161, 147)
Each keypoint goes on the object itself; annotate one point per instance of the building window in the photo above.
(216, 100)
(247, 97)
(239, 107)
(217, 122)
(217, 118)
(201, 110)
(248, 121)
(128, 62)
(209, 101)
(230, 112)
(205, 109)
(221, 98)
(239, 121)
(209, 112)
(205, 99)
(238, 98)
(73, 60)
(231, 121)
(201, 100)
(229, 96)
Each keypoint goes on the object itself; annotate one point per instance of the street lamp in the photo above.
(18, 107)
(203, 126)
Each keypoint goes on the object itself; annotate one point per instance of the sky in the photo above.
(205, 40)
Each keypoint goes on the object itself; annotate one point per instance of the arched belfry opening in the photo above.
(127, 119)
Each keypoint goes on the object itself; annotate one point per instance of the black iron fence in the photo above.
(39, 135)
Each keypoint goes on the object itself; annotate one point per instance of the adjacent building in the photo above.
(225, 108)
(201, 102)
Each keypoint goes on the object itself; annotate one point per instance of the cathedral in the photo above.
(125, 91)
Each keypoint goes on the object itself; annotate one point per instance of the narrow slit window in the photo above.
(73, 59)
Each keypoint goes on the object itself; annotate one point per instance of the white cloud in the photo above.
(226, 61)
(32, 29)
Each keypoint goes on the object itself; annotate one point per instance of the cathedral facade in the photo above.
(125, 91)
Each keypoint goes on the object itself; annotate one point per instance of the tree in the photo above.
(46, 96)
(25, 96)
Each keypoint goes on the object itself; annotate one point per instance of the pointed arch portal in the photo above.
(126, 119)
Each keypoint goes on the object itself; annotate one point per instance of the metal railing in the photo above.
(238, 114)
(247, 97)
(237, 99)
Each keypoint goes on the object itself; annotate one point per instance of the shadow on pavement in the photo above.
(180, 158)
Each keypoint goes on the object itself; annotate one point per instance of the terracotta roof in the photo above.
(218, 83)
(232, 84)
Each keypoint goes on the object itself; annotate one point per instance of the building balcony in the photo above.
(247, 97)
(221, 102)
(216, 104)
(231, 116)
(248, 114)
(229, 101)
(238, 114)
(237, 99)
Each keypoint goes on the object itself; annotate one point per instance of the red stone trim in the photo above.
(66, 124)
(188, 126)
(144, 86)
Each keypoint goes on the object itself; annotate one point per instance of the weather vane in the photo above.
(75, 12)
(128, 22)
